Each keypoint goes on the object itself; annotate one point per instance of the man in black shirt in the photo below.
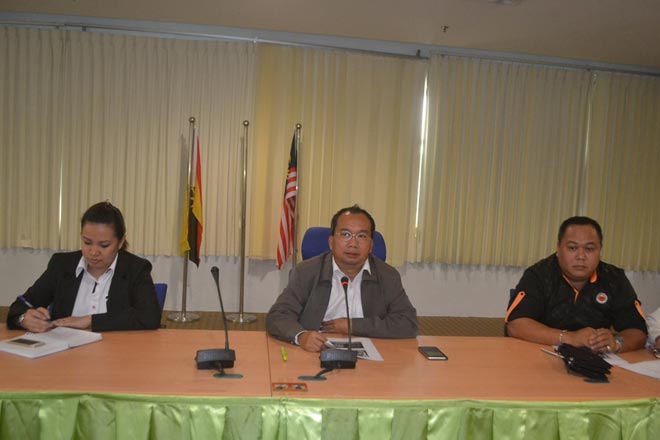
(572, 297)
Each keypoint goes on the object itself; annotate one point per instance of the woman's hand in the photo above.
(79, 322)
(37, 320)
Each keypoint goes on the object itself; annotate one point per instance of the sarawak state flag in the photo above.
(191, 235)
(288, 220)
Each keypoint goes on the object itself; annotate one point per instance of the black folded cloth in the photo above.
(585, 362)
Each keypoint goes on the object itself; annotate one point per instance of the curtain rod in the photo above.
(222, 33)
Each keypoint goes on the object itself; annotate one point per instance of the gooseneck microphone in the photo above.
(217, 358)
(344, 284)
(215, 272)
(340, 359)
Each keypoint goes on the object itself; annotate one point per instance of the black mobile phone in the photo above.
(25, 342)
(433, 353)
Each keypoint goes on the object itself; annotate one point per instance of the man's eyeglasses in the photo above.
(361, 237)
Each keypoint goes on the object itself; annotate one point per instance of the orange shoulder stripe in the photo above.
(639, 309)
(515, 302)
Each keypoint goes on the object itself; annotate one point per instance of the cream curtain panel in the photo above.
(509, 151)
(30, 74)
(101, 116)
(360, 117)
(502, 162)
(623, 176)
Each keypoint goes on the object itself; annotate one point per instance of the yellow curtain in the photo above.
(360, 117)
(503, 160)
(118, 109)
(30, 79)
(623, 177)
(512, 149)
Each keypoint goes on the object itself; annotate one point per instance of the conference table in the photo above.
(145, 385)
(486, 368)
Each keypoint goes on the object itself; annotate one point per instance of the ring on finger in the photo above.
(608, 348)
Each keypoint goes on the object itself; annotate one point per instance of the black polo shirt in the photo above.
(606, 300)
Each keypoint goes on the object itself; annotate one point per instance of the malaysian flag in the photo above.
(286, 243)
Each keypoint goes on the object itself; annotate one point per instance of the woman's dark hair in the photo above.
(107, 214)
(355, 209)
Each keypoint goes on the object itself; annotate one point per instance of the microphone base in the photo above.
(215, 358)
(338, 359)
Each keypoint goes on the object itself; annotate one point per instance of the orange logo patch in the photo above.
(601, 298)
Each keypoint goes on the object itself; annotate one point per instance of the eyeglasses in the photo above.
(361, 237)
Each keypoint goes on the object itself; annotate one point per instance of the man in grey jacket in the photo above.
(313, 301)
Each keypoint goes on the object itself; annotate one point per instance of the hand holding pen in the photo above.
(35, 319)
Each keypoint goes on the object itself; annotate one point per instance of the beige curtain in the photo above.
(623, 178)
(511, 150)
(118, 109)
(503, 160)
(360, 117)
(30, 76)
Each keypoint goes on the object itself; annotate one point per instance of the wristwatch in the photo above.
(619, 343)
(20, 320)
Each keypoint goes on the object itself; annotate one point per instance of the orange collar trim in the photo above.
(592, 279)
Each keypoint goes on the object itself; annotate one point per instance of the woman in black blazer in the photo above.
(100, 287)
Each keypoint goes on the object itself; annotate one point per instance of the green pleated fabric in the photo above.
(54, 416)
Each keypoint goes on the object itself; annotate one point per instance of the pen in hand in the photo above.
(22, 299)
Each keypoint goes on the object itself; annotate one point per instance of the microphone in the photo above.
(344, 284)
(341, 359)
(217, 358)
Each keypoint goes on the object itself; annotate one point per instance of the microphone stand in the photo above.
(332, 359)
(218, 358)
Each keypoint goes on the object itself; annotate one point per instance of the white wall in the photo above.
(435, 290)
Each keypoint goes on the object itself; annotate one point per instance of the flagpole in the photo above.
(294, 255)
(182, 316)
(241, 318)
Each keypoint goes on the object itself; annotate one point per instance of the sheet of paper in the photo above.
(647, 368)
(613, 359)
(70, 336)
(363, 346)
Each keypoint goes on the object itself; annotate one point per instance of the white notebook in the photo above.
(34, 345)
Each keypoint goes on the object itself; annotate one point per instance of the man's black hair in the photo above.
(355, 209)
(579, 220)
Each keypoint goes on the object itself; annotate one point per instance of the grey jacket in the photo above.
(388, 312)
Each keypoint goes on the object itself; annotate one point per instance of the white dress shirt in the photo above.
(92, 293)
(336, 305)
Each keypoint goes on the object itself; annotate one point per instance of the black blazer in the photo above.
(131, 305)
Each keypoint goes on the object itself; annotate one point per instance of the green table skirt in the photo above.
(51, 416)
